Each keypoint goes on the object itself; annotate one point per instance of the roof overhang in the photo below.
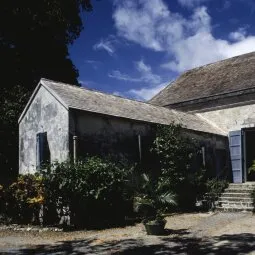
(39, 85)
(213, 97)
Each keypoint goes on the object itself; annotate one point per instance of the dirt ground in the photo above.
(196, 233)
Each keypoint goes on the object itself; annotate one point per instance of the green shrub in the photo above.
(152, 199)
(214, 187)
(23, 199)
(177, 153)
(94, 190)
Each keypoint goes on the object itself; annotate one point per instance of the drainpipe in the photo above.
(203, 155)
(140, 148)
(75, 148)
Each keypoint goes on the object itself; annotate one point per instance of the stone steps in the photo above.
(236, 198)
(237, 195)
(234, 209)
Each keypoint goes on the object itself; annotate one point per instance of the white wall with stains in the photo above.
(45, 114)
(232, 118)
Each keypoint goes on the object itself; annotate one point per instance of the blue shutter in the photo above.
(40, 140)
(235, 147)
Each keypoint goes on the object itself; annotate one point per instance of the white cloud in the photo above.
(116, 74)
(238, 35)
(106, 44)
(188, 42)
(152, 82)
(142, 94)
(94, 63)
(191, 3)
(145, 21)
(145, 74)
(146, 93)
(88, 61)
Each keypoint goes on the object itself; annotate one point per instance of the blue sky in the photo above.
(134, 48)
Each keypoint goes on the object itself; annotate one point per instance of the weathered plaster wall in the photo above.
(101, 134)
(104, 134)
(45, 114)
(216, 153)
(231, 119)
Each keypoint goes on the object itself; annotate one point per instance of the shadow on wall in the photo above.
(224, 244)
(119, 146)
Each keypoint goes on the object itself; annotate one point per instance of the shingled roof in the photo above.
(230, 75)
(73, 97)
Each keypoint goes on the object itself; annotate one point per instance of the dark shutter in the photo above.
(41, 139)
(235, 146)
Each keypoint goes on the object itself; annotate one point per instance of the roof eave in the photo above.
(40, 83)
(29, 102)
(212, 97)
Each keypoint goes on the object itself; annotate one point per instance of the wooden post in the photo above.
(75, 149)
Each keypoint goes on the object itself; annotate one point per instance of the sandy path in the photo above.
(199, 233)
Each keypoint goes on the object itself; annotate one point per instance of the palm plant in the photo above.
(153, 199)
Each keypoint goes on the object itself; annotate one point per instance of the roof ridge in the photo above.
(208, 81)
(105, 93)
(161, 91)
(216, 62)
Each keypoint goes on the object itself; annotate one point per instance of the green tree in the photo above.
(180, 168)
(34, 40)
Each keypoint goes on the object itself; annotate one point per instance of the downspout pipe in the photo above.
(75, 138)
(140, 148)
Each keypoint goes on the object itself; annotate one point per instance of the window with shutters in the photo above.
(42, 150)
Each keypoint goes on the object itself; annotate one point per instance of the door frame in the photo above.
(244, 154)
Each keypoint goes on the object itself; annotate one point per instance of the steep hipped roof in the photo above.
(233, 74)
(97, 102)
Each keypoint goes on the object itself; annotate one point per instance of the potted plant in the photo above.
(151, 201)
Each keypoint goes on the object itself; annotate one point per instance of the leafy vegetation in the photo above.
(180, 167)
(214, 187)
(22, 200)
(92, 193)
(95, 190)
(152, 199)
(98, 192)
(34, 41)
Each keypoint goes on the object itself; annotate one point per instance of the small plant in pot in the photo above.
(152, 201)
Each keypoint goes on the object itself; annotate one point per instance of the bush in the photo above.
(179, 170)
(152, 199)
(94, 191)
(214, 187)
(22, 200)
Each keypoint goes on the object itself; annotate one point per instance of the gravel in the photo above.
(192, 233)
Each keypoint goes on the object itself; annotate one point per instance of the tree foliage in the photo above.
(12, 102)
(180, 167)
(34, 41)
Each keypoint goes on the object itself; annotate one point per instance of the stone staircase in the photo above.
(236, 198)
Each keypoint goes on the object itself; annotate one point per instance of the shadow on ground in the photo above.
(224, 244)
